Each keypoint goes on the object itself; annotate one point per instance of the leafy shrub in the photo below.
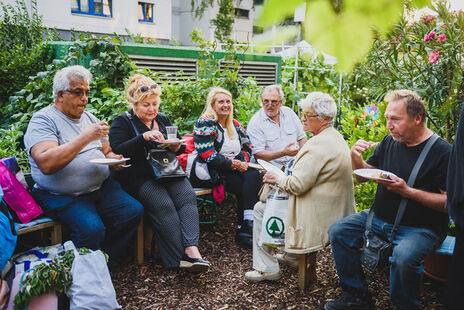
(10, 146)
(354, 125)
(424, 56)
(108, 65)
(316, 76)
(22, 52)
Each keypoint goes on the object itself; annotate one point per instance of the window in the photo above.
(145, 12)
(241, 13)
(92, 7)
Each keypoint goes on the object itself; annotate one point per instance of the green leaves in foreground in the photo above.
(344, 32)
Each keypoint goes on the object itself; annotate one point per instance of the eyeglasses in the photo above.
(272, 103)
(78, 92)
(145, 88)
(307, 115)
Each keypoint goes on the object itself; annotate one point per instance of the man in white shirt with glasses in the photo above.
(275, 131)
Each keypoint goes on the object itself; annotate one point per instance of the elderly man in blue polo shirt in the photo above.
(275, 131)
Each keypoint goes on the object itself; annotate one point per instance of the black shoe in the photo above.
(244, 236)
(247, 227)
(195, 265)
(349, 301)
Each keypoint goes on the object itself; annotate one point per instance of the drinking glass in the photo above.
(172, 132)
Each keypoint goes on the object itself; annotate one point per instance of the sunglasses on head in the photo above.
(145, 88)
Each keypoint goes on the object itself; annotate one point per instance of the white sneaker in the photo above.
(287, 259)
(258, 276)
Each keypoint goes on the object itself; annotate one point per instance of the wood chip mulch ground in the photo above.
(150, 286)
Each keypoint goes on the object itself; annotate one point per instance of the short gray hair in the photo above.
(273, 87)
(323, 105)
(61, 79)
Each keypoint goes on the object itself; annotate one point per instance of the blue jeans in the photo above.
(411, 245)
(106, 218)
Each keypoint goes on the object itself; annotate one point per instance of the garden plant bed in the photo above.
(150, 286)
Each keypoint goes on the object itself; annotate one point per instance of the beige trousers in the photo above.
(263, 256)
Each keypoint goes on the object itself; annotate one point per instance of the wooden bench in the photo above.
(205, 205)
(53, 226)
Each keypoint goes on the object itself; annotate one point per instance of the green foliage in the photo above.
(339, 28)
(137, 38)
(184, 102)
(10, 146)
(22, 52)
(355, 124)
(45, 277)
(18, 27)
(108, 65)
(224, 20)
(315, 77)
(425, 56)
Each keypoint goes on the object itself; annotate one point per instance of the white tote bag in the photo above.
(275, 214)
(92, 288)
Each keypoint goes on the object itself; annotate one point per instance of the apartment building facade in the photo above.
(163, 20)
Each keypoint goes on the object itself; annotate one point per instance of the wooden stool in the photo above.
(306, 270)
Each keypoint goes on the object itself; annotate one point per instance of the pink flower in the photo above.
(430, 36)
(442, 37)
(429, 18)
(433, 58)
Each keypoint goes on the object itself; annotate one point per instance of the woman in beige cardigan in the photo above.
(320, 189)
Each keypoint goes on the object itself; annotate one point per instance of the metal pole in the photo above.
(295, 76)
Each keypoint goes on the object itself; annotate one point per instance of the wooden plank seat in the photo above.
(39, 224)
(207, 207)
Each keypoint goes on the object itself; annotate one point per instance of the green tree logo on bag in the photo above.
(275, 227)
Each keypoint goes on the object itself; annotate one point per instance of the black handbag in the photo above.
(163, 162)
(377, 250)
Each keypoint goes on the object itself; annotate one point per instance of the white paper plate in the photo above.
(108, 161)
(374, 174)
(255, 166)
(270, 167)
(168, 142)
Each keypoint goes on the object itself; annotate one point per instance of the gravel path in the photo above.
(150, 286)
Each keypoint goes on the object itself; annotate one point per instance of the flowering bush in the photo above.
(425, 56)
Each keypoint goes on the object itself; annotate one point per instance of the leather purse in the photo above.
(163, 162)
